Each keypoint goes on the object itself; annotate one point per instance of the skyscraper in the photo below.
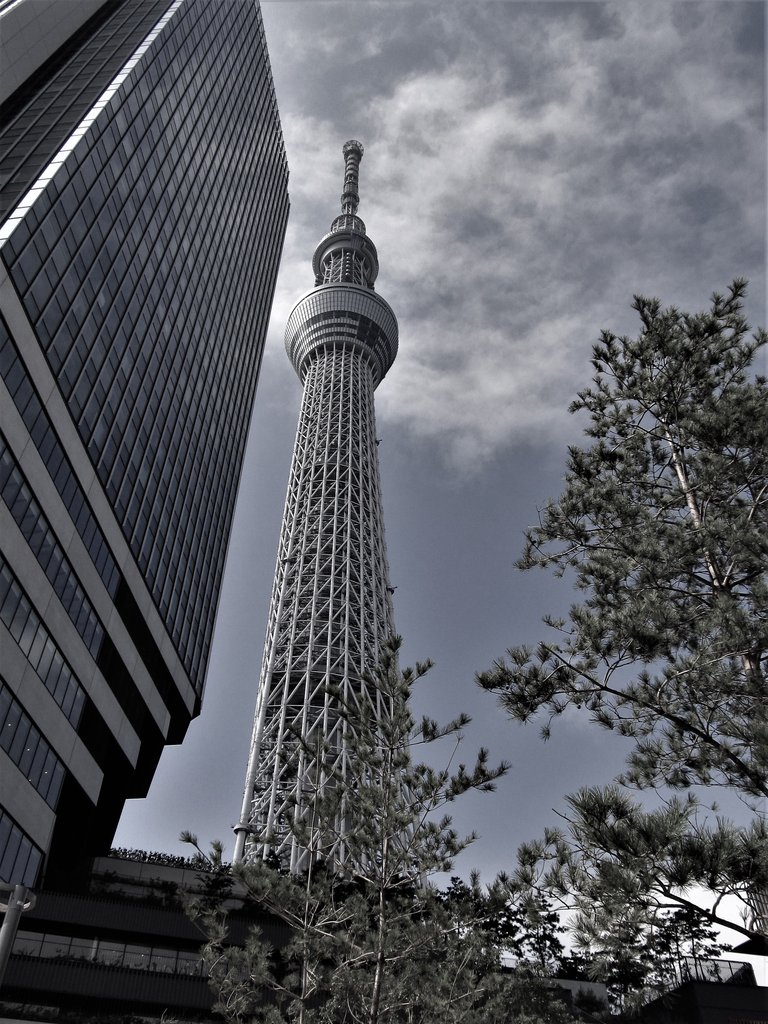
(145, 200)
(331, 604)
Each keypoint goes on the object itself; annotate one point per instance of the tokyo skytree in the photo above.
(331, 607)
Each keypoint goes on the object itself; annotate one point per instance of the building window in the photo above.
(54, 563)
(20, 858)
(38, 646)
(109, 953)
(51, 452)
(25, 746)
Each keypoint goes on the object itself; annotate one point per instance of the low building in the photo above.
(123, 946)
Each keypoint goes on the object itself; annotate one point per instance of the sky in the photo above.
(528, 168)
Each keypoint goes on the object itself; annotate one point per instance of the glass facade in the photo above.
(17, 496)
(110, 953)
(37, 422)
(147, 267)
(24, 509)
(144, 202)
(38, 117)
(20, 858)
(39, 647)
(25, 746)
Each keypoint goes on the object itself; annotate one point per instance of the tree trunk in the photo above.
(690, 499)
(378, 976)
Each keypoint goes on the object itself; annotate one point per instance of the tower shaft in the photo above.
(331, 607)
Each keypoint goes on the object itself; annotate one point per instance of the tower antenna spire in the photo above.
(353, 154)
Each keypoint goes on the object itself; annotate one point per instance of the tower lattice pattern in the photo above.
(331, 606)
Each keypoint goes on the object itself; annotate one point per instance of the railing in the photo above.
(726, 972)
(104, 953)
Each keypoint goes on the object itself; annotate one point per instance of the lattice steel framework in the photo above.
(331, 603)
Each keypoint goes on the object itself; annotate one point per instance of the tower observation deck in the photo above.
(331, 607)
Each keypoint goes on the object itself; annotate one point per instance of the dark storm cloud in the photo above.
(528, 167)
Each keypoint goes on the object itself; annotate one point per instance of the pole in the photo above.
(21, 899)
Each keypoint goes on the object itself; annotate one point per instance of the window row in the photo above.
(111, 954)
(38, 646)
(32, 755)
(51, 452)
(27, 631)
(106, 172)
(52, 113)
(20, 859)
(35, 529)
(54, 563)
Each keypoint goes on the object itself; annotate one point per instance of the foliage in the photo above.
(675, 939)
(395, 836)
(373, 940)
(664, 524)
(525, 929)
(638, 960)
(152, 857)
(664, 520)
(616, 853)
(238, 976)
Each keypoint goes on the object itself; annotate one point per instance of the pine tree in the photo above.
(396, 834)
(638, 959)
(373, 941)
(664, 524)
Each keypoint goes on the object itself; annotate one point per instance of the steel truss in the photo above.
(331, 607)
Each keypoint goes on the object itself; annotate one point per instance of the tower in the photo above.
(331, 606)
(144, 201)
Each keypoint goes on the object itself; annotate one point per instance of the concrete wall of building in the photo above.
(93, 988)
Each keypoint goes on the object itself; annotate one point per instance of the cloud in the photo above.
(528, 168)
